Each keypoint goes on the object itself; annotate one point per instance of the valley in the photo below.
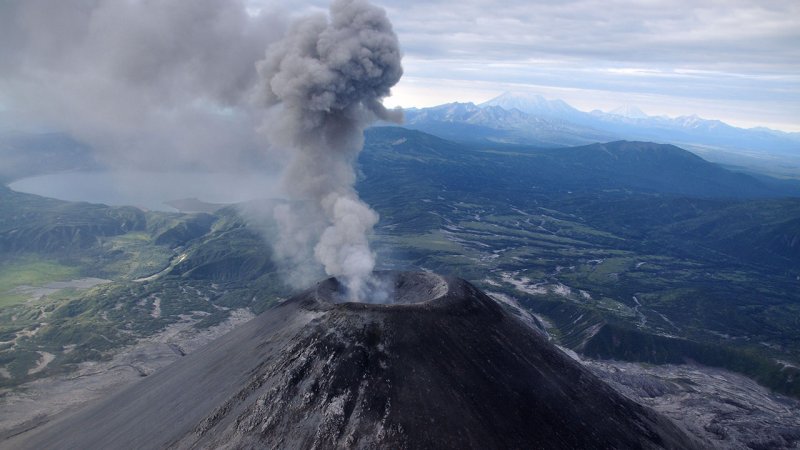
(78, 282)
(616, 263)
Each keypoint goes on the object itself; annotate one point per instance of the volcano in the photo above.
(438, 365)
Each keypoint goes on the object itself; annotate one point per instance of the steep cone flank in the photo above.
(442, 366)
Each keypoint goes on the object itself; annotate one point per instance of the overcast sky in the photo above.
(734, 60)
(78, 64)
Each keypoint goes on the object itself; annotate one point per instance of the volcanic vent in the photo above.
(441, 365)
(388, 288)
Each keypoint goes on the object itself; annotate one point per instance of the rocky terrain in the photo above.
(39, 401)
(724, 409)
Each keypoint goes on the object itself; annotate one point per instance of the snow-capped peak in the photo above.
(629, 111)
(530, 103)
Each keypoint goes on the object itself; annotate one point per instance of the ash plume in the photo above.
(147, 84)
(205, 84)
(326, 78)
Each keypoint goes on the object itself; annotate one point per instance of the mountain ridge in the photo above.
(532, 119)
(644, 166)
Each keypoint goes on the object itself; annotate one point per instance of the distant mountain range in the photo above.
(512, 118)
(613, 166)
(533, 120)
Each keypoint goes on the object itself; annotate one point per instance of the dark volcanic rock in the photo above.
(443, 366)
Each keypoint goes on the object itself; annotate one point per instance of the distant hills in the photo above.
(26, 154)
(620, 165)
(532, 119)
(656, 167)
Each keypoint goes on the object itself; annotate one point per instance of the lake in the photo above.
(149, 190)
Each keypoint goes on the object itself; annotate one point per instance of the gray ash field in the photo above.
(440, 366)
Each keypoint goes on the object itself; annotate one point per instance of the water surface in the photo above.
(149, 190)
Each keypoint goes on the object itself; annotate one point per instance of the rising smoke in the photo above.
(205, 84)
(327, 76)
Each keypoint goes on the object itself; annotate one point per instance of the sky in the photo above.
(133, 76)
(737, 61)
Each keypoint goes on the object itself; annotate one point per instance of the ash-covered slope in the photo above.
(444, 366)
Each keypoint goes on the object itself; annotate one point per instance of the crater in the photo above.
(388, 288)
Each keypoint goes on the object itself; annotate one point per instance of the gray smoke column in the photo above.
(326, 79)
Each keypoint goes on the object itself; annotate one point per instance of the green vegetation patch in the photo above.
(138, 255)
(30, 270)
